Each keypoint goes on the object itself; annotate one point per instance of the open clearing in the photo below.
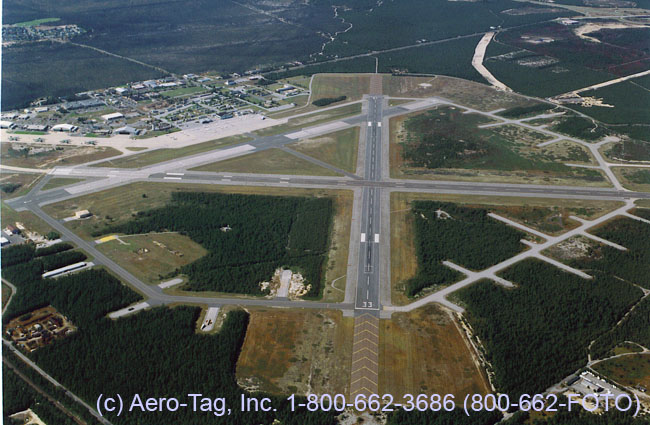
(29, 220)
(6, 294)
(18, 154)
(24, 181)
(354, 86)
(629, 370)
(270, 161)
(160, 155)
(469, 93)
(118, 205)
(152, 256)
(424, 352)
(443, 143)
(545, 215)
(60, 181)
(637, 179)
(296, 351)
(312, 120)
(339, 148)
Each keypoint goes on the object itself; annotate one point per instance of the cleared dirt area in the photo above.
(628, 370)
(152, 256)
(296, 351)
(339, 148)
(468, 93)
(47, 156)
(424, 352)
(271, 161)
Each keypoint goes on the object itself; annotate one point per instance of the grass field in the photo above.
(339, 148)
(60, 181)
(637, 179)
(161, 155)
(630, 370)
(334, 85)
(312, 120)
(184, 91)
(55, 157)
(36, 22)
(464, 92)
(143, 255)
(23, 180)
(444, 143)
(29, 220)
(270, 161)
(296, 351)
(424, 352)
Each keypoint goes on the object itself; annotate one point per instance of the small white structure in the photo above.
(82, 214)
(3, 241)
(121, 90)
(7, 124)
(67, 269)
(65, 127)
(112, 117)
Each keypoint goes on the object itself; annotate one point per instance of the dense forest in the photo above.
(261, 234)
(465, 236)
(632, 265)
(17, 396)
(577, 417)
(154, 353)
(324, 101)
(635, 327)
(538, 333)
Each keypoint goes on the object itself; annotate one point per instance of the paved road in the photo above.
(369, 275)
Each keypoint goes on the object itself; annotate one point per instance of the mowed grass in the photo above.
(312, 119)
(339, 148)
(184, 91)
(36, 22)
(424, 352)
(28, 219)
(632, 178)
(354, 86)
(270, 161)
(60, 181)
(423, 146)
(296, 351)
(68, 155)
(629, 370)
(149, 261)
(160, 155)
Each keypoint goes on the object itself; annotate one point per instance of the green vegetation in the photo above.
(60, 181)
(23, 258)
(632, 265)
(455, 417)
(17, 396)
(465, 236)
(524, 111)
(123, 347)
(9, 187)
(52, 235)
(184, 91)
(629, 101)
(324, 101)
(339, 148)
(161, 155)
(265, 233)
(639, 177)
(635, 327)
(269, 161)
(26, 76)
(53, 249)
(36, 22)
(538, 333)
(576, 416)
(581, 128)
(445, 138)
(630, 150)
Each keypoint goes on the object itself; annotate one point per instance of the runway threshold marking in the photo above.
(363, 237)
(172, 178)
